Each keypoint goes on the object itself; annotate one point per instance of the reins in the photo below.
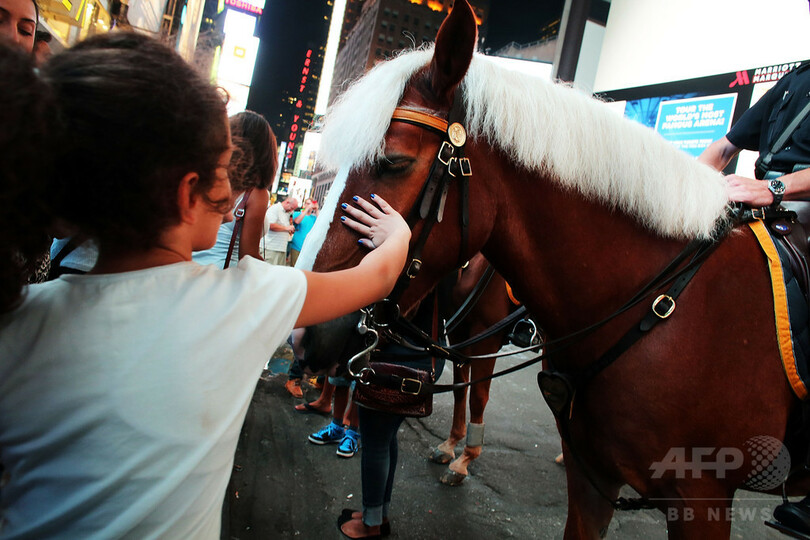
(660, 309)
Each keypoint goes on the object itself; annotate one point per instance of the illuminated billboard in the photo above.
(238, 59)
(239, 24)
(252, 6)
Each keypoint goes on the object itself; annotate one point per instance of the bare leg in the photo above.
(324, 401)
(341, 394)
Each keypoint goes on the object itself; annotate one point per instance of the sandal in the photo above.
(347, 514)
(307, 408)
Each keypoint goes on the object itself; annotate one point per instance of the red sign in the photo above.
(246, 5)
(293, 135)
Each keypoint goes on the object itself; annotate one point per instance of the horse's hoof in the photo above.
(442, 458)
(452, 478)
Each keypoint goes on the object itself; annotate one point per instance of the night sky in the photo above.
(289, 27)
(519, 20)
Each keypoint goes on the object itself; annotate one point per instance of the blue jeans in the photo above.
(378, 462)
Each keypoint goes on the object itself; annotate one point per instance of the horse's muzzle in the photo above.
(331, 344)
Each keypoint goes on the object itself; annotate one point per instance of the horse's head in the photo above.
(394, 159)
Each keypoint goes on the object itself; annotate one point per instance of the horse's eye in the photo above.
(392, 165)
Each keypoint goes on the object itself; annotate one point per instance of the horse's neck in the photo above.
(572, 261)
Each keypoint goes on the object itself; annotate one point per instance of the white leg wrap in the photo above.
(475, 434)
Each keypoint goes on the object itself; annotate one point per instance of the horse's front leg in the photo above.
(446, 451)
(479, 396)
(589, 512)
(701, 510)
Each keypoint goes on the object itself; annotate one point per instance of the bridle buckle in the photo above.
(413, 268)
(447, 150)
(668, 311)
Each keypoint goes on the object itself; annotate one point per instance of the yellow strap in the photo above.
(780, 307)
(411, 115)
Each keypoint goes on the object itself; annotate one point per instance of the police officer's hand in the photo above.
(748, 190)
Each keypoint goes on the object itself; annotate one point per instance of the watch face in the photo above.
(777, 187)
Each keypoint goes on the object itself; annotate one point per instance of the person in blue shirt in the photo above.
(303, 220)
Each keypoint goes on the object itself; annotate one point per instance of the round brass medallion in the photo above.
(457, 134)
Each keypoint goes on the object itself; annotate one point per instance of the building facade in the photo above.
(385, 27)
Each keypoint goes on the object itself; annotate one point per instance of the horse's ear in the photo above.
(455, 44)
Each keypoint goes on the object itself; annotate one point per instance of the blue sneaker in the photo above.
(349, 444)
(331, 434)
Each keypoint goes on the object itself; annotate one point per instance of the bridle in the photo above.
(449, 164)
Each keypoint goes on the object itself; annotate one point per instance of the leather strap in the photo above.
(419, 118)
(471, 300)
(239, 217)
(765, 160)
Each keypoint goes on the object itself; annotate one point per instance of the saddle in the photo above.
(792, 235)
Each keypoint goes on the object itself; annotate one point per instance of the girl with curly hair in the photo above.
(123, 391)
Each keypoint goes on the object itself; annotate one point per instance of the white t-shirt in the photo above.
(122, 396)
(276, 240)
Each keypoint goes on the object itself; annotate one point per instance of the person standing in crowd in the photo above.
(379, 437)
(123, 391)
(280, 227)
(344, 428)
(785, 175)
(18, 23)
(303, 221)
(42, 47)
(23, 140)
(251, 171)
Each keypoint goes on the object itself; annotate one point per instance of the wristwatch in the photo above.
(777, 187)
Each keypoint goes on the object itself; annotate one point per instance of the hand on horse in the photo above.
(377, 224)
(748, 190)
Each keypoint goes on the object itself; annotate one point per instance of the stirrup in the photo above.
(787, 530)
(524, 334)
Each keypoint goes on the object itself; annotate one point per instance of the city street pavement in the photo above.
(285, 487)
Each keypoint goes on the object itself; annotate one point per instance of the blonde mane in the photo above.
(543, 126)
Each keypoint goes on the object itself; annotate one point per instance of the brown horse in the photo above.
(578, 209)
(493, 306)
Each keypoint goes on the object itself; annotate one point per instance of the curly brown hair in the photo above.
(149, 119)
(23, 169)
(255, 156)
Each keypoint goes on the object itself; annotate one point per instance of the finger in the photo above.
(357, 214)
(369, 208)
(365, 242)
(384, 206)
(360, 228)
